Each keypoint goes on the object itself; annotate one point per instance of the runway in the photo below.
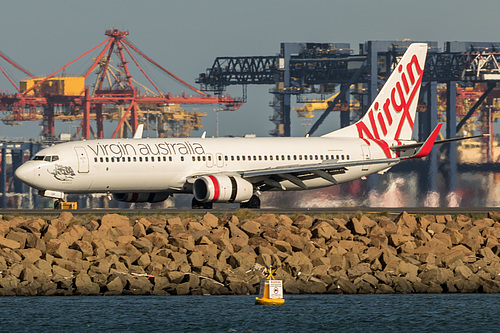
(470, 211)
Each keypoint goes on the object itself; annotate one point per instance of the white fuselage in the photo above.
(166, 165)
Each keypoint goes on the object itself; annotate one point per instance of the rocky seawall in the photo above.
(210, 255)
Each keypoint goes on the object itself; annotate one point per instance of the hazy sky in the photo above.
(186, 37)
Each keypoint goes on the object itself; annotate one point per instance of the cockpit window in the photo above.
(48, 158)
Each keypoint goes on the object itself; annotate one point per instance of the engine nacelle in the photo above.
(141, 197)
(222, 188)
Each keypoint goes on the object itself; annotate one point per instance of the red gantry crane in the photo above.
(114, 88)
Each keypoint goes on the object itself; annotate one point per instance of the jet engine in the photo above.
(141, 197)
(222, 188)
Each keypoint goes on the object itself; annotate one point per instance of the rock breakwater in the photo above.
(208, 254)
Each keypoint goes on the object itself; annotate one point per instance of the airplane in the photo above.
(238, 170)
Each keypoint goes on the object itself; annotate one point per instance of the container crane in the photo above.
(70, 97)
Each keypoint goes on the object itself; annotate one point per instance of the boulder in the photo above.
(9, 243)
(30, 256)
(85, 286)
(303, 221)
(268, 220)
(182, 240)
(251, 228)
(323, 229)
(114, 286)
(144, 245)
(407, 220)
(359, 270)
(356, 227)
(296, 242)
(18, 236)
(210, 221)
(114, 220)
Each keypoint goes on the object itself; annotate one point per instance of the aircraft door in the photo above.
(220, 160)
(83, 161)
(366, 156)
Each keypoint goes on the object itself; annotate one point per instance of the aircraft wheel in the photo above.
(195, 204)
(253, 203)
(57, 204)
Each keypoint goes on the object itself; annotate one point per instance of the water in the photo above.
(301, 313)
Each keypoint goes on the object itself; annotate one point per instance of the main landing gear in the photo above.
(253, 203)
(195, 204)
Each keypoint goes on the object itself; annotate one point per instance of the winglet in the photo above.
(426, 148)
(138, 131)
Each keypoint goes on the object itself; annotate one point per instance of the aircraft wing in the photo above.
(296, 174)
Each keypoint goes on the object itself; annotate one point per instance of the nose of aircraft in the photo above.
(26, 173)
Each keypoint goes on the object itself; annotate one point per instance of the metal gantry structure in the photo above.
(321, 68)
(101, 87)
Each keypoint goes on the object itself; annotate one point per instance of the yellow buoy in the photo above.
(271, 290)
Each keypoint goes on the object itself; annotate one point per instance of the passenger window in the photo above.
(107, 159)
(282, 157)
(321, 157)
(209, 157)
(238, 157)
(305, 157)
(170, 158)
(140, 159)
(342, 157)
(232, 158)
(199, 158)
(254, 158)
(288, 156)
(348, 157)
(182, 158)
(300, 157)
(337, 157)
(203, 158)
(310, 157)
(129, 159)
(260, 157)
(265, 158)
(95, 159)
(102, 160)
(249, 157)
(145, 159)
(112, 159)
(270, 157)
(294, 157)
(135, 159)
(243, 157)
(225, 157)
(194, 158)
(219, 158)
